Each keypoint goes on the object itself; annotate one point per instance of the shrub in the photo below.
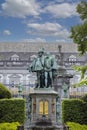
(84, 98)
(76, 126)
(9, 126)
(12, 110)
(74, 110)
(4, 92)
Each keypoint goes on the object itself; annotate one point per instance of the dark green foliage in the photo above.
(84, 98)
(79, 32)
(76, 126)
(74, 110)
(79, 36)
(4, 92)
(82, 9)
(12, 110)
(9, 126)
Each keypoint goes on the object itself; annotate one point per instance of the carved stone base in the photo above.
(47, 128)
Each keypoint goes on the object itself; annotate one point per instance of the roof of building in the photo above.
(34, 47)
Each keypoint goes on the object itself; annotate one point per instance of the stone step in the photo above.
(47, 128)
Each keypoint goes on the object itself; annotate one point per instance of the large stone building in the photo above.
(16, 57)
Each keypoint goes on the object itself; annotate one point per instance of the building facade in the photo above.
(16, 57)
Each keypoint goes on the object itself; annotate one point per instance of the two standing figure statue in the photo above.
(45, 66)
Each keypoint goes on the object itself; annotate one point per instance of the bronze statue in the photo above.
(45, 66)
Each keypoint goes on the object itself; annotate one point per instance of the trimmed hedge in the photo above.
(76, 126)
(84, 98)
(74, 110)
(4, 92)
(9, 126)
(12, 110)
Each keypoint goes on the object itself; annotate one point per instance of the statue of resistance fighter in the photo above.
(45, 66)
(38, 67)
(51, 67)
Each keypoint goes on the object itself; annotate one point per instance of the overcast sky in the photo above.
(37, 20)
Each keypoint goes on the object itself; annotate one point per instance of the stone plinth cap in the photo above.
(44, 91)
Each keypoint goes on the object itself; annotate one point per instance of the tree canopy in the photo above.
(79, 32)
(79, 36)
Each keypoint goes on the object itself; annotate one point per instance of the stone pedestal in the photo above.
(43, 104)
(43, 110)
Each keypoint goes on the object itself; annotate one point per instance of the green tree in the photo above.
(79, 36)
(79, 32)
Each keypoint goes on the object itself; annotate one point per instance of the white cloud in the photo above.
(6, 32)
(62, 10)
(48, 29)
(20, 8)
(23, 8)
(35, 40)
(61, 40)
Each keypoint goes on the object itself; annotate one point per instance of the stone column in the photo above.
(5, 78)
(49, 108)
(24, 79)
(37, 108)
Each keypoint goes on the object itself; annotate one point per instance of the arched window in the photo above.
(46, 107)
(43, 107)
(14, 79)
